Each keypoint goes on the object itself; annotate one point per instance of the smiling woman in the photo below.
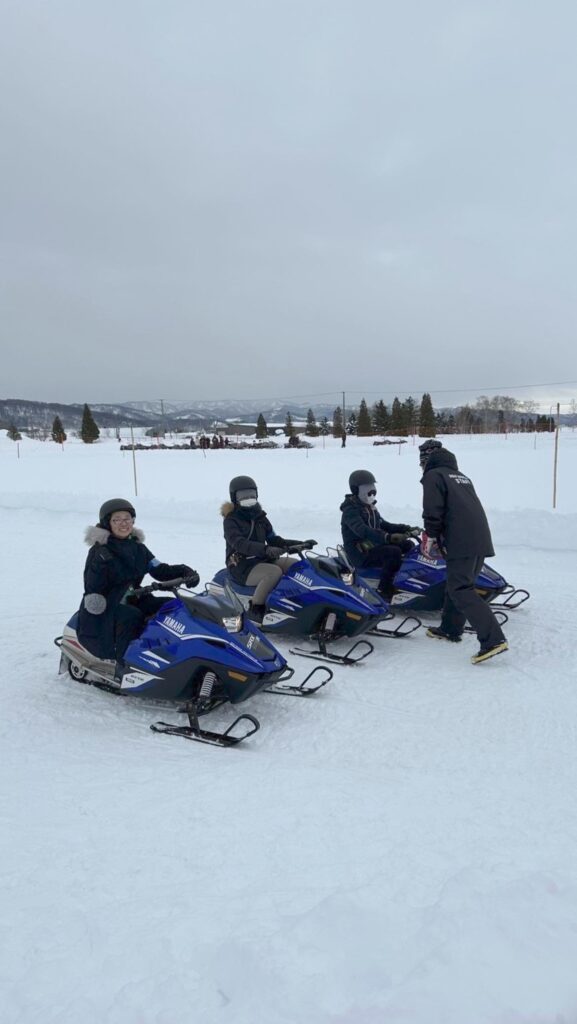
(109, 617)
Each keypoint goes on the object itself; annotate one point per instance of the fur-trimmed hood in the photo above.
(228, 507)
(98, 535)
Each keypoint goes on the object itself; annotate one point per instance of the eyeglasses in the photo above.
(371, 494)
(120, 520)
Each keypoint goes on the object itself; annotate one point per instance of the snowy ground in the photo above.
(399, 850)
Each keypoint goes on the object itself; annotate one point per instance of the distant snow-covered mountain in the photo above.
(194, 415)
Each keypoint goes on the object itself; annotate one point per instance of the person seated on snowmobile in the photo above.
(255, 553)
(109, 618)
(368, 539)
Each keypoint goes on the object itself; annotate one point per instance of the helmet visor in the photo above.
(368, 494)
(247, 498)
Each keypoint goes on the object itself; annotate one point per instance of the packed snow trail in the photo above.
(400, 847)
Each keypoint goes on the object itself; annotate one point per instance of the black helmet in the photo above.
(426, 449)
(114, 505)
(241, 483)
(359, 478)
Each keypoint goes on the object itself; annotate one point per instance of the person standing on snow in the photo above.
(117, 561)
(368, 539)
(456, 529)
(255, 554)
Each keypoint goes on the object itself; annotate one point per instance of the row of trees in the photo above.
(402, 418)
(499, 414)
(89, 431)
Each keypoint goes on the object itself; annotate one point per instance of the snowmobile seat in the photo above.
(224, 579)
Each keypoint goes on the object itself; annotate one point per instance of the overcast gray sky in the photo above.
(242, 198)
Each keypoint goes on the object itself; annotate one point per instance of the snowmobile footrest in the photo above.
(408, 625)
(304, 689)
(228, 738)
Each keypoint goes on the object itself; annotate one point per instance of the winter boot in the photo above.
(439, 634)
(487, 651)
(256, 612)
(386, 591)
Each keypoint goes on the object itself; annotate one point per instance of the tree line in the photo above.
(499, 414)
(402, 419)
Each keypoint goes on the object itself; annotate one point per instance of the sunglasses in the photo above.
(371, 494)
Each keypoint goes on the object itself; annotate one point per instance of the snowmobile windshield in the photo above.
(233, 599)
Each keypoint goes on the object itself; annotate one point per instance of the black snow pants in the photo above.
(462, 603)
(130, 619)
(387, 558)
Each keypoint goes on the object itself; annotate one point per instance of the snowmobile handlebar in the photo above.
(180, 581)
(297, 549)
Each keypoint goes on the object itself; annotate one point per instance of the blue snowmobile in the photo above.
(199, 650)
(318, 598)
(420, 583)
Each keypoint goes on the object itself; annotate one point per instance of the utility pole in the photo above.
(344, 415)
(555, 456)
(162, 426)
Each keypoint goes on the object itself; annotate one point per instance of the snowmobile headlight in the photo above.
(232, 623)
(348, 578)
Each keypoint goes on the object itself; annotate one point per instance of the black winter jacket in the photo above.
(363, 528)
(247, 531)
(112, 566)
(452, 511)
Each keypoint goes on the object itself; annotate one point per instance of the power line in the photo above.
(391, 390)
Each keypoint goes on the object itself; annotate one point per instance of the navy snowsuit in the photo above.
(366, 539)
(105, 624)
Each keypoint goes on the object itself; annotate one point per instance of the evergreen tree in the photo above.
(58, 432)
(409, 415)
(89, 432)
(364, 425)
(312, 428)
(426, 417)
(352, 423)
(13, 433)
(324, 427)
(261, 427)
(397, 418)
(381, 418)
(289, 426)
(338, 422)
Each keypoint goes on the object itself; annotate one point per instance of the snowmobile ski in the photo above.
(193, 731)
(399, 632)
(350, 658)
(304, 689)
(500, 616)
(514, 597)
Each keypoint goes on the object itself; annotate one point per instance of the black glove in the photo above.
(397, 538)
(415, 532)
(272, 552)
(310, 543)
(190, 575)
(192, 578)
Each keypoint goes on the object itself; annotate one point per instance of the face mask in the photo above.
(248, 502)
(368, 494)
